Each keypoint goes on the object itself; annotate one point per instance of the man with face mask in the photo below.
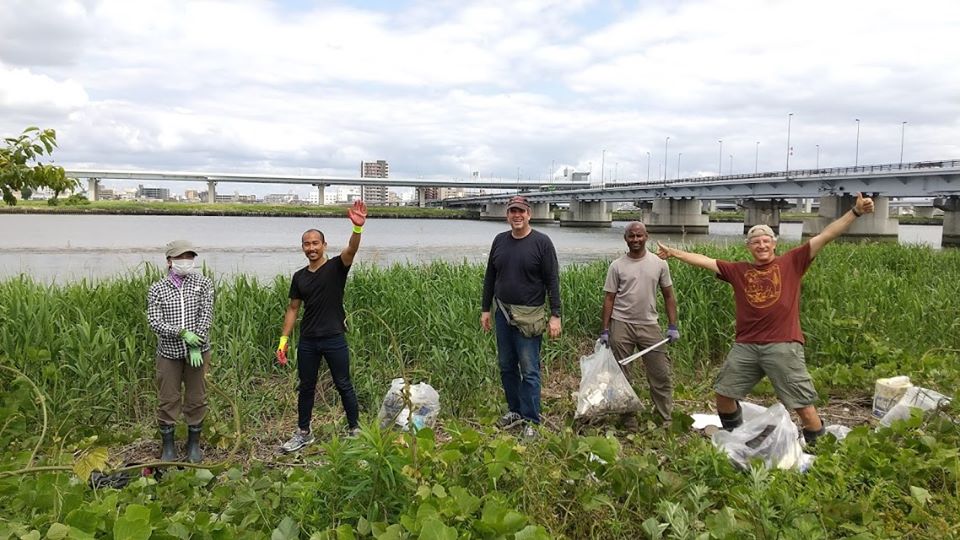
(180, 312)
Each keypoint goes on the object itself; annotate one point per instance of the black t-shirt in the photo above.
(522, 271)
(322, 295)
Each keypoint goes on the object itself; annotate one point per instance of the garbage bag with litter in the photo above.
(424, 402)
(915, 396)
(770, 436)
(603, 387)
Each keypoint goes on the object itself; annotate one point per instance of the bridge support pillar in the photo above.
(421, 197)
(320, 196)
(211, 191)
(923, 211)
(951, 220)
(93, 188)
(678, 216)
(762, 213)
(587, 214)
(539, 212)
(877, 226)
(710, 205)
(645, 208)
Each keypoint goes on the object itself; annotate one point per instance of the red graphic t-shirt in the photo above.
(767, 297)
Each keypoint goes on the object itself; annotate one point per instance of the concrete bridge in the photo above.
(676, 206)
(94, 176)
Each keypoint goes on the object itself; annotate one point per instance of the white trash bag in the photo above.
(603, 387)
(915, 397)
(424, 400)
(770, 436)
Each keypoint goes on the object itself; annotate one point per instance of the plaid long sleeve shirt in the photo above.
(171, 309)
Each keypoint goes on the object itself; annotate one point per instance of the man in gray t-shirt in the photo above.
(630, 319)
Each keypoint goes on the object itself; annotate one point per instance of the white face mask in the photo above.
(182, 267)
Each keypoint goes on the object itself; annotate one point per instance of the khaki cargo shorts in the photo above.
(783, 363)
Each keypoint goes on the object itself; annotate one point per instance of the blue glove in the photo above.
(605, 338)
(672, 333)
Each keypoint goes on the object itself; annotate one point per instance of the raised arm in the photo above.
(831, 232)
(358, 216)
(694, 259)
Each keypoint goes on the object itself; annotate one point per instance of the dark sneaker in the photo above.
(509, 420)
(629, 422)
(298, 441)
(353, 433)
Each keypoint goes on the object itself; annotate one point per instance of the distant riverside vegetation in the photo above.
(76, 205)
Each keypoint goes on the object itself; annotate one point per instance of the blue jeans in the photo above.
(309, 353)
(519, 359)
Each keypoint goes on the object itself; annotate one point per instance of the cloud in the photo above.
(442, 90)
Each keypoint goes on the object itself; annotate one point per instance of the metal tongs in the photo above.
(633, 357)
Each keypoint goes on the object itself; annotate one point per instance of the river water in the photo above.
(60, 248)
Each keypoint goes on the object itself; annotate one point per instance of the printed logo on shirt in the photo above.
(763, 286)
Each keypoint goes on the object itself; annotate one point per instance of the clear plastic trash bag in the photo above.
(603, 387)
(424, 401)
(770, 436)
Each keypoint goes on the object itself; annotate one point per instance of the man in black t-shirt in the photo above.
(319, 287)
(522, 271)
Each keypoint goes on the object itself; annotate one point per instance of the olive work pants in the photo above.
(171, 374)
(626, 339)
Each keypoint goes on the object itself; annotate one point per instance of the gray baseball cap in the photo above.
(179, 247)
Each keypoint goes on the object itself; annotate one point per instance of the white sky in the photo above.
(441, 89)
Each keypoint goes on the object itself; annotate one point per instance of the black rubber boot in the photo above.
(810, 437)
(168, 451)
(731, 421)
(194, 455)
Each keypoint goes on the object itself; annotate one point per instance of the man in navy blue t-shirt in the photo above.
(522, 270)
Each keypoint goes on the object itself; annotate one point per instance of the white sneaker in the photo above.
(530, 433)
(298, 441)
(509, 420)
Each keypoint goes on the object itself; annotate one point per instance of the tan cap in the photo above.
(179, 247)
(760, 230)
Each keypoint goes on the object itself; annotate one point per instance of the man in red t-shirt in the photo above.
(768, 336)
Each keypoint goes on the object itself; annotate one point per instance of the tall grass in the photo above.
(867, 310)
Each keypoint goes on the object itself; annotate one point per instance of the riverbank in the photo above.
(86, 350)
(166, 208)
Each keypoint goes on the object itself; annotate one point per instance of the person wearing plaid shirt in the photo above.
(180, 312)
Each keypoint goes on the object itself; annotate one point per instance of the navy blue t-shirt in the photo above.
(522, 272)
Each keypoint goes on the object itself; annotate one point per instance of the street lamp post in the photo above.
(603, 156)
(666, 144)
(856, 151)
(679, 155)
(756, 159)
(731, 164)
(818, 156)
(789, 118)
(903, 129)
(720, 159)
(648, 166)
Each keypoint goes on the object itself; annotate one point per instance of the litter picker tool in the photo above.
(633, 357)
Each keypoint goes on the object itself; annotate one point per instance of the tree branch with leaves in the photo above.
(21, 169)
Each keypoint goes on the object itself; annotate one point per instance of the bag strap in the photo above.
(503, 309)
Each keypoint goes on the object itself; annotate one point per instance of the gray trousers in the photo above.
(171, 374)
(626, 339)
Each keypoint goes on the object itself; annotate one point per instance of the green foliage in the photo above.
(868, 311)
(21, 169)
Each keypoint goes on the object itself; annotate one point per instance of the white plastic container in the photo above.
(887, 392)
